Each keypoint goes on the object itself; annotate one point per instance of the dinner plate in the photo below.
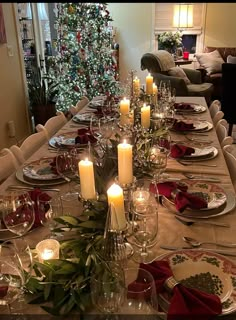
(212, 193)
(66, 140)
(40, 170)
(84, 117)
(202, 154)
(196, 108)
(198, 126)
(37, 183)
(205, 271)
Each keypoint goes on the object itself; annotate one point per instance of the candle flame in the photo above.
(124, 141)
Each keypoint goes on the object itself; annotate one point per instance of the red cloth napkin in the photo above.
(182, 198)
(183, 106)
(84, 136)
(185, 303)
(179, 150)
(182, 126)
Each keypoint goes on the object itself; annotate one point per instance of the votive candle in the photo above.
(125, 163)
(87, 182)
(48, 249)
(116, 200)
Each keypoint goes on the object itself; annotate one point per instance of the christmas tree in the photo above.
(83, 64)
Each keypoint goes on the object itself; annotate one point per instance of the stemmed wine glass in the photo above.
(18, 212)
(157, 159)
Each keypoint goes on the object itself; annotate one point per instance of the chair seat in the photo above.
(200, 89)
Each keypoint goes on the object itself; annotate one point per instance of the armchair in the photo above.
(187, 82)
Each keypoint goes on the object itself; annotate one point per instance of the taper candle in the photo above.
(116, 200)
(87, 183)
(125, 163)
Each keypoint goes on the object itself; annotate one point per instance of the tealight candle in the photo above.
(124, 106)
(48, 249)
(125, 163)
(149, 83)
(87, 182)
(116, 200)
(145, 116)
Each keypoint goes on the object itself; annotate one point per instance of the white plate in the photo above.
(201, 152)
(218, 269)
(37, 183)
(198, 126)
(66, 140)
(40, 170)
(84, 117)
(202, 157)
(196, 108)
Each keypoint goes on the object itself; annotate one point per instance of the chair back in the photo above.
(52, 125)
(230, 158)
(79, 105)
(221, 131)
(157, 62)
(8, 163)
(30, 145)
(214, 107)
(218, 116)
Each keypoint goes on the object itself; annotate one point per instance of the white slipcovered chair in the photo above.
(230, 158)
(218, 116)
(79, 105)
(8, 163)
(222, 133)
(214, 107)
(30, 145)
(52, 125)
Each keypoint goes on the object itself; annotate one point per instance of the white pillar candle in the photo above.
(48, 249)
(116, 199)
(125, 163)
(149, 83)
(87, 183)
(145, 116)
(124, 106)
(136, 86)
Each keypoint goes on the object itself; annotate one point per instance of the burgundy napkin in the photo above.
(179, 150)
(185, 303)
(182, 198)
(84, 136)
(183, 106)
(180, 125)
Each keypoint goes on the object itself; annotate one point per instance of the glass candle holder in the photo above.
(48, 249)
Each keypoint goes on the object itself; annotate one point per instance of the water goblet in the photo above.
(18, 212)
(158, 160)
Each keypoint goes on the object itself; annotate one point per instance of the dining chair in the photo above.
(52, 125)
(214, 107)
(218, 116)
(222, 133)
(230, 157)
(79, 105)
(8, 163)
(31, 144)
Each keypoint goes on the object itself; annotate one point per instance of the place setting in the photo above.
(188, 108)
(186, 125)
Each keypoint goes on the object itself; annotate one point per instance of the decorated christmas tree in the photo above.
(83, 64)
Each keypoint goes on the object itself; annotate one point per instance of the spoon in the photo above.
(195, 243)
(192, 176)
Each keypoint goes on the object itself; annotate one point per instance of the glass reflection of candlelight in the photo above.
(48, 249)
(47, 254)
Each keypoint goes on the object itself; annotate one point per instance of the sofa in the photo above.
(210, 65)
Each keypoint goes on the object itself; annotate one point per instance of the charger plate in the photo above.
(216, 272)
(67, 140)
(196, 108)
(199, 126)
(40, 170)
(201, 154)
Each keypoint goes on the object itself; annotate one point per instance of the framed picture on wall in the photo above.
(3, 38)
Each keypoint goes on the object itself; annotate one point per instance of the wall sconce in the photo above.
(183, 16)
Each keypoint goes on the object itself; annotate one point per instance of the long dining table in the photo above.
(170, 230)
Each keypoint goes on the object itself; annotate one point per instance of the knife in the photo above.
(224, 252)
(15, 187)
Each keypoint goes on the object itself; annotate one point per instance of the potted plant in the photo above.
(42, 92)
(169, 41)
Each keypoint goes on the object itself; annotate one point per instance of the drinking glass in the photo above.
(158, 160)
(18, 212)
(141, 296)
(107, 287)
(145, 229)
(107, 127)
(49, 206)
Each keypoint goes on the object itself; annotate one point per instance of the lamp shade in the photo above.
(183, 16)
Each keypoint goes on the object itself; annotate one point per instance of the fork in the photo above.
(189, 222)
(191, 163)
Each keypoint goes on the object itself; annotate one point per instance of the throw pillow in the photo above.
(231, 59)
(179, 72)
(211, 61)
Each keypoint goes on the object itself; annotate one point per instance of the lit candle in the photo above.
(87, 183)
(48, 249)
(136, 86)
(145, 116)
(155, 92)
(140, 200)
(149, 83)
(116, 199)
(124, 106)
(125, 163)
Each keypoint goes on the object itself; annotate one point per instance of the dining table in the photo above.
(170, 230)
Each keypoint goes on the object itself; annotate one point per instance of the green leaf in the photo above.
(68, 219)
(92, 224)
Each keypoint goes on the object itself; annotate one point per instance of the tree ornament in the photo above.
(78, 37)
(71, 9)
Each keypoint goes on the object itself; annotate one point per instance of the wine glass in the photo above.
(18, 212)
(49, 206)
(107, 287)
(158, 160)
(145, 228)
(106, 128)
(141, 295)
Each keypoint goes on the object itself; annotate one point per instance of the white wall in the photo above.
(134, 33)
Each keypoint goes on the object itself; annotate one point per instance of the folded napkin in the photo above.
(185, 303)
(182, 126)
(182, 198)
(183, 106)
(179, 150)
(84, 136)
